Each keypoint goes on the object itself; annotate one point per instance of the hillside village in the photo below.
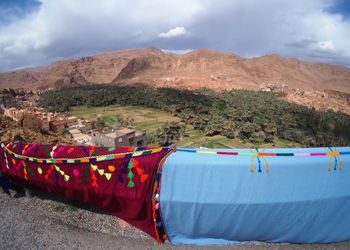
(22, 108)
(320, 100)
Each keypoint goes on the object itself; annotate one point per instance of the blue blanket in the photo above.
(216, 198)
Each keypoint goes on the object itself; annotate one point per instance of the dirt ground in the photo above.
(49, 222)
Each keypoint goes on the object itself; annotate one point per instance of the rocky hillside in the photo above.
(13, 131)
(98, 69)
(196, 69)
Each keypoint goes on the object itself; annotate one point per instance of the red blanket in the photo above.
(118, 180)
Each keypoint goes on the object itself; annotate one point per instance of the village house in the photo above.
(55, 122)
(74, 132)
(45, 123)
(71, 120)
(13, 113)
(87, 124)
(83, 125)
(79, 137)
(119, 138)
(57, 125)
(42, 117)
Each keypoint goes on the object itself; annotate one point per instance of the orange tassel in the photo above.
(25, 173)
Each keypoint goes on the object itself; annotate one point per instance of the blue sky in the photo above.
(340, 7)
(12, 10)
(35, 33)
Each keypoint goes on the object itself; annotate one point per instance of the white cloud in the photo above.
(327, 45)
(66, 29)
(177, 31)
(177, 51)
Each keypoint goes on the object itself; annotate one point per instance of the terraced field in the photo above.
(148, 119)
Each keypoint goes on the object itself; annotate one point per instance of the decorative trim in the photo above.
(263, 154)
(88, 159)
(157, 220)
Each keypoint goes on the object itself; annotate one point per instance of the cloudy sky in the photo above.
(38, 32)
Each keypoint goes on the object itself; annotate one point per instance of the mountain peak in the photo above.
(196, 69)
(154, 50)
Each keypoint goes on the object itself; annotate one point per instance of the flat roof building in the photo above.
(123, 137)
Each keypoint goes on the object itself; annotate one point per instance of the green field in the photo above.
(148, 119)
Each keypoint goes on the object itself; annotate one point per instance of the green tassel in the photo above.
(130, 175)
(130, 165)
(157, 176)
(147, 152)
(47, 149)
(83, 182)
(131, 184)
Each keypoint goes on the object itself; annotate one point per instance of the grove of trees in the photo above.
(248, 115)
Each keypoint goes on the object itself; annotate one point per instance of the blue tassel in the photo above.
(85, 151)
(257, 150)
(259, 164)
(126, 163)
(56, 177)
(120, 178)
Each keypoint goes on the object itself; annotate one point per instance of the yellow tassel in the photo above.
(66, 178)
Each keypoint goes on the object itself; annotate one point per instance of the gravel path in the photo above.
(49, 222)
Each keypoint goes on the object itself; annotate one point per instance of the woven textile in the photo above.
(274, 195)
(117, 180)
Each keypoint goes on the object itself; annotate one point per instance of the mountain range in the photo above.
(195, 69)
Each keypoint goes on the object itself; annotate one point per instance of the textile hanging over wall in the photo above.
(117, 180)
(274, 195)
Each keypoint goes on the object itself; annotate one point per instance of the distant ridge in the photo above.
(196, 69)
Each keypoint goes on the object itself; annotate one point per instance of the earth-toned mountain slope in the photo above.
(196, 69)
